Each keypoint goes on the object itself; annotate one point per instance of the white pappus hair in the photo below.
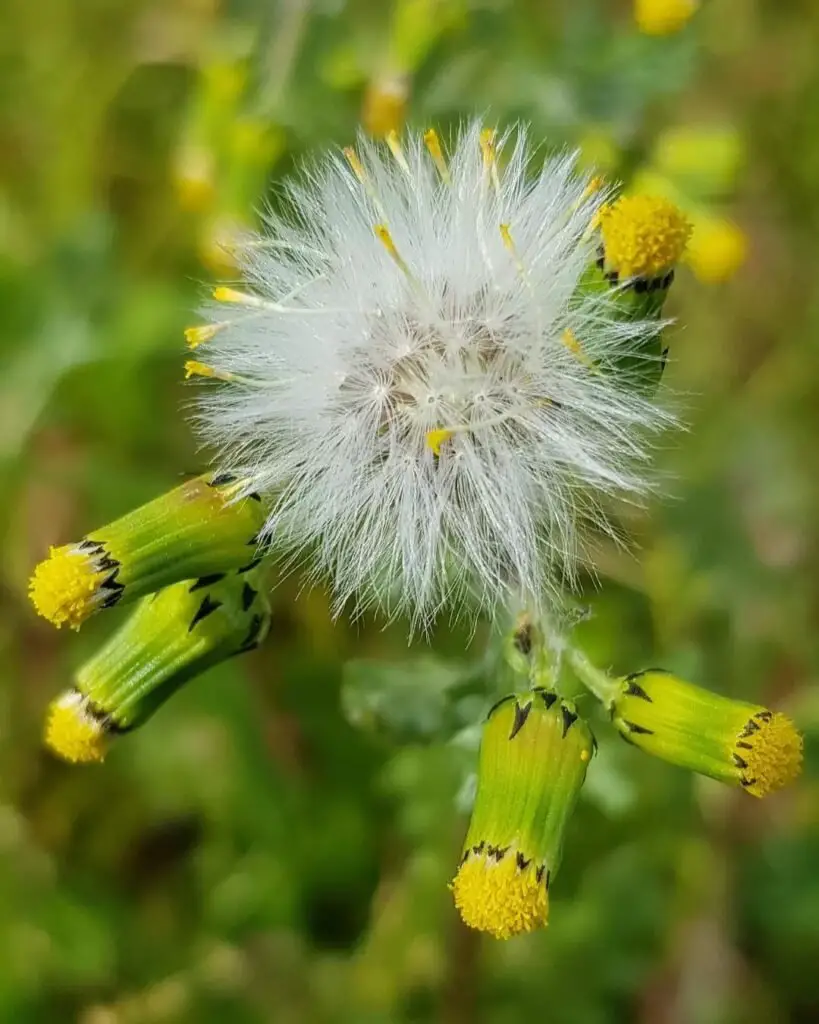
(402, 377)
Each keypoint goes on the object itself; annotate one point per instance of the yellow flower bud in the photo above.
(730, 740)
(171, 637)
(194, 530)
(533, 759)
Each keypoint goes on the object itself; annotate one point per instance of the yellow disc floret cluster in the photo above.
(498, 896)
(72, 733)
(643, 236)
(64, 587)
(771, 748)
(663, 17)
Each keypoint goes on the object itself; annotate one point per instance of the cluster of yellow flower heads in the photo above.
(191, 552)
(189, 563)
(534, 754)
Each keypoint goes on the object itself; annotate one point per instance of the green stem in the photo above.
(602, 686)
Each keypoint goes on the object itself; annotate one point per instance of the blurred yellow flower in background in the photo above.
(717, 249)
(384, 105)
(193, 178)
(707, 158)
(662, 17)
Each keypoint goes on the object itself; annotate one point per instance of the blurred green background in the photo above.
(275, 845)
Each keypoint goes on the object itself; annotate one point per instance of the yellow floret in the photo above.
(772, 750)
(64, 587)
(643, 236)
(196, 336)
(500, 897)
(435, 438)
(193, 368)
(663, 17)
(72, 733)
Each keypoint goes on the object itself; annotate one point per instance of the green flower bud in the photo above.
(534, 754)
(198, 529)
(730, 740)
(171, 637)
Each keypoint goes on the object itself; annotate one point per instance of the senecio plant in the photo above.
(440, 373)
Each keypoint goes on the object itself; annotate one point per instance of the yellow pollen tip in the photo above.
(499, 897)
(196, 336)
(595, 184)
(222, 294)
(382, 233)
(772, 753)
(509, 245)
(433, 144)
(356, 166)
(197, 369)
(569, 339)
(72, 734)
(490, 153)
(64, 586)
(663, 17)
(643, 236)
(394, 144)
(435, 438)
(487, 144)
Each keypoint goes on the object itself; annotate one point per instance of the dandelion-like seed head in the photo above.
(643, 236)
(73, 731)
(419, 380)
(501, 892)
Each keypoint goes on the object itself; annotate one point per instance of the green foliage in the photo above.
(276, 844)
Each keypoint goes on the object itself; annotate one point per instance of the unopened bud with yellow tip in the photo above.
(197, 529)
(533, 759)
(642, 239)
(729, 740)
(170, 637)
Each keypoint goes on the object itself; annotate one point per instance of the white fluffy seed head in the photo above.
(419, 384)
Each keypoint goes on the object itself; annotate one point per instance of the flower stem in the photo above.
(602, 686)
